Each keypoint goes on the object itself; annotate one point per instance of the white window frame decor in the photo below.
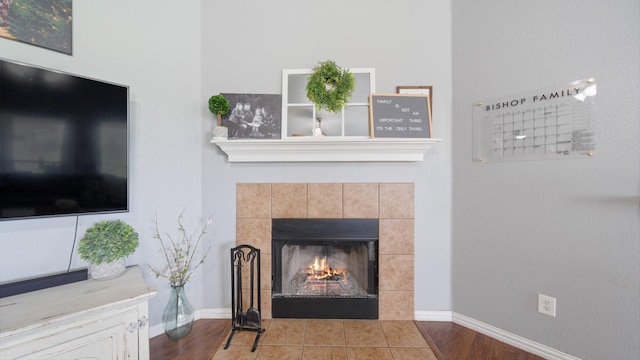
(294, 99)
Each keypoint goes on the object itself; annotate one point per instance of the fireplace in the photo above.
(392, 204)
(325, 268)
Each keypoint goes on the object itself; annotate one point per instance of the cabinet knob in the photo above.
(133, 327)
(143, 321)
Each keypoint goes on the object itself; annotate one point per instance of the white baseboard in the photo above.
(222, 313)
(156, 330)
(433, 316)
(511, 339)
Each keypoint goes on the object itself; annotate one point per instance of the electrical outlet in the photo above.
(547, 305)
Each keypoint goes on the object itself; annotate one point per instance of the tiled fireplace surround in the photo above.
(391, 203)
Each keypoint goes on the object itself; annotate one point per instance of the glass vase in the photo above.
(178, 315)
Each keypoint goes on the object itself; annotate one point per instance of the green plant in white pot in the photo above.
(219, 106)
(105, 245)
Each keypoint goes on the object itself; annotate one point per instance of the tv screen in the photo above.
(63, 143)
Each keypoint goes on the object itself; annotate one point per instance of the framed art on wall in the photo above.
(43, 23)
(253, 116)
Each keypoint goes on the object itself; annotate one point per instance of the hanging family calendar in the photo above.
(552, 123)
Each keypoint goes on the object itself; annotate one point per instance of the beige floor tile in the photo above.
(285, 332)
(324, 332)
(324, 353)
(235, 352)
(403, 333)
(331, 339)
(244, 338)
(364, 333)
(362, 353)
(279, 352)
(416, 353)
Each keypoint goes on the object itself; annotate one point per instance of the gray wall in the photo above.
(565, 228)
(144, 45)
(174, 56)
(245, 46)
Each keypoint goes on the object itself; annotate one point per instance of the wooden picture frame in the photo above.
(417, 90)
(400, 116)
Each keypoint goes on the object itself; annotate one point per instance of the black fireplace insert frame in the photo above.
(330, 232)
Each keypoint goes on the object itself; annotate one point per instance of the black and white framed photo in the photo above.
(253, 116)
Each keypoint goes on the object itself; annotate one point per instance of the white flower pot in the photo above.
(107, 271)
(220, 133)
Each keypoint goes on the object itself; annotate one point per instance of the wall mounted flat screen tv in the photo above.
(63, 143)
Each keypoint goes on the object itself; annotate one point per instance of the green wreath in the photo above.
(330, 86)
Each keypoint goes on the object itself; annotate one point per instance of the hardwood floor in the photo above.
(201, 344)
(448, 340)
(451, 341)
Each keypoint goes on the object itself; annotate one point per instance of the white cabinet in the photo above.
(85, 320)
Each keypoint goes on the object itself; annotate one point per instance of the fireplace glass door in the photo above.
(325, 270)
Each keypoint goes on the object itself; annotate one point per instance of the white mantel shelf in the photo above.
(328, 149)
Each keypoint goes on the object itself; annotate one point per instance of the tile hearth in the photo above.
(391, 203)
(331, 339)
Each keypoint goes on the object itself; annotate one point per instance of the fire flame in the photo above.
(320, 270)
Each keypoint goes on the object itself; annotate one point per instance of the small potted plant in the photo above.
(105, 245)
(219, 106)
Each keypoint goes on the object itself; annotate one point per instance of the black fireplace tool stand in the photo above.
(245, 264)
